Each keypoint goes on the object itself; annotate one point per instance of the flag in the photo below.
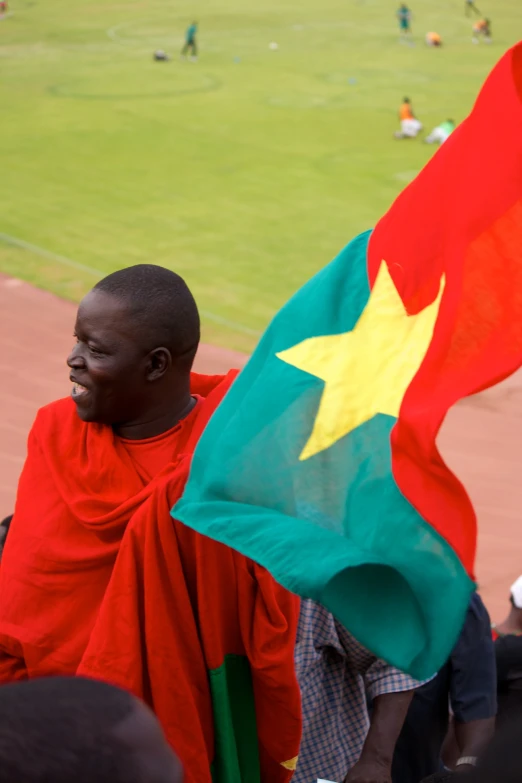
(321, 463)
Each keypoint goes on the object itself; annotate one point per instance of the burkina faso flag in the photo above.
(321, 463)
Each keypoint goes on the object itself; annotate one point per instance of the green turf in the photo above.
(245, 172)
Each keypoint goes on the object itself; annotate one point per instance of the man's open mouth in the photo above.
(78, 390)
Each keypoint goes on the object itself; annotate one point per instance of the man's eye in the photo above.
(94, 350)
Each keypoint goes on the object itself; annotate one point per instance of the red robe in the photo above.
(207, 639)
(77, 493)
(205, 636)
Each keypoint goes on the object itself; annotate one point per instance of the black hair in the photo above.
(444, 776)
(406, 100)
(161, 303)
(62, 730)
(502, 760)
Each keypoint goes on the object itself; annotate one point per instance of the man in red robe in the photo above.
(103, 470)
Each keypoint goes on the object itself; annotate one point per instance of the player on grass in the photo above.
(433, 39)
(404, 17)
(190, 42)
(410, 125)
(441, 133)
(482, 29)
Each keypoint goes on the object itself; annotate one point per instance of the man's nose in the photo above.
(75, 359)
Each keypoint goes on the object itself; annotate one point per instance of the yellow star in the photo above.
(366, 371)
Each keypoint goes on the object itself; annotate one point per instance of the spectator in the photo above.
(337, 676)
(95, 559)
(508, 651)
(468, 682)
(512, 624)
(502, 761)
(4, 530)
(73, 730)
(444, 776)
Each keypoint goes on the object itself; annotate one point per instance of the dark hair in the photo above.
(161, 303)
(406, 100)
(61, 729)
(502, 761)
(440, 777)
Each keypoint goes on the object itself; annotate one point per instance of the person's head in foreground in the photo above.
(502, 761)
(75, 730)
(445, 776)
(137, 333)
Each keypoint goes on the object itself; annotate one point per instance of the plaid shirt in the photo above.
(336, 675)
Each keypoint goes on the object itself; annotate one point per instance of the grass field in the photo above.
(247, 171)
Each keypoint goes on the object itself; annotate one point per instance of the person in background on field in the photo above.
(441, 133)
(433, 39)
(470, 7)
(410, 125)
(3, 7)
(468, 683)
(404, 17)
(482, 29)
(508, 650)
(65, 729)
(341, 740)
(190, 42)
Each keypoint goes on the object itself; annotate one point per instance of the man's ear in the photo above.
(158, 362)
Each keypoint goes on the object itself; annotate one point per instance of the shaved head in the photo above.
(160, 303)
(137, 333)
(64, 729)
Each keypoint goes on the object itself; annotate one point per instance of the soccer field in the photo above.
(246, 171)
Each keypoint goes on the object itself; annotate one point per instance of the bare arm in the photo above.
(374, 765)
(473, 737)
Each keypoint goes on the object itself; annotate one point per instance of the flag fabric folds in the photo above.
(321, 463)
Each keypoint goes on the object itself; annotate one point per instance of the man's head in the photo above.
(502, 760)
(74, 730)
(137, 334)
(406, 100)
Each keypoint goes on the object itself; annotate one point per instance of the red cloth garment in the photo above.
(178, 606)
(78, 491)
(150, 455)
